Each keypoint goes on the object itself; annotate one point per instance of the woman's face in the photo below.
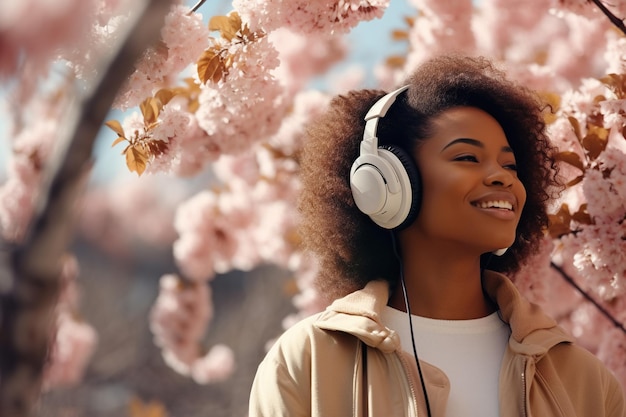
(472, 198)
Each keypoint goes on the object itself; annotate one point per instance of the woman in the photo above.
(415, 214)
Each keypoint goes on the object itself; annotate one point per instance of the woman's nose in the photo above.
(499, 176)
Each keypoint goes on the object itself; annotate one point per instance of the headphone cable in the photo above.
(408, 310)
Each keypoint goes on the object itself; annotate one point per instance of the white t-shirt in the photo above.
(468, 351)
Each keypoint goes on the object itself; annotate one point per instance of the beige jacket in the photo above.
(316, 368)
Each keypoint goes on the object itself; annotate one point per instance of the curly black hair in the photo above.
(351, 249)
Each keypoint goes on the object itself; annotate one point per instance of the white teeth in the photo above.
(496, 204)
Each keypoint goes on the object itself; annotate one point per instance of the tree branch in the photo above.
(619, 23)
(197, 6)
(589, 298)
(27, 305)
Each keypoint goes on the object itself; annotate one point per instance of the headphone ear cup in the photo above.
(405, 162)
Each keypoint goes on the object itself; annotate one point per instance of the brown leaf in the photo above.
(136, 159)
(399, 35)
(575, 181)
(594, 145)
(164, 95)
(559, 222)
(211, 66)
(115, 126)
(228, 26)
(582, 216)
(118, 140)
(156, 147)
(571, 158)
(616, 83)
(574, 122)
(557, 228)
(138, 408)
(598, 130)
(395, 61)
(150, 110)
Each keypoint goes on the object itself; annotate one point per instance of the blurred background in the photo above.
(119, 271)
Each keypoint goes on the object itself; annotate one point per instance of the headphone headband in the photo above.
(375, 113)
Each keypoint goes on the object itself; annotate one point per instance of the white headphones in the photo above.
(384, 180)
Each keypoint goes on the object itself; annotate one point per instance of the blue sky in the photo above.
(370, 43)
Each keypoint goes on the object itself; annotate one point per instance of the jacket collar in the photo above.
(533, 333)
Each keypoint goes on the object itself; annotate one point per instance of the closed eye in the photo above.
(470, 158)
(512, 167)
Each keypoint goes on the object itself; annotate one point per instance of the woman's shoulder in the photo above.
(579, 370)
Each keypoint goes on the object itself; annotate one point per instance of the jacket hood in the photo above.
(533, 333)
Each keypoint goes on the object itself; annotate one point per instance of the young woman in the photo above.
(416, 203)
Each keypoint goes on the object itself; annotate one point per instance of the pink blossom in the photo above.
(601, 259)
(442, 27)
(117, 215)
(212, 239)
(577, 7)
(307, 105)
(612, 351)
(602, 199)
(187, 153)
(36, 29)
(588, 326)
(532, 279)
(613, 113)
(615, 54)
(217, 365)
(70, 352)
(178, 320)
(184, 38)
(302, 57)
(308, 17)
(249, 105)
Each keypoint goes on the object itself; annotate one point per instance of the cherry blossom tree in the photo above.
(228, 101)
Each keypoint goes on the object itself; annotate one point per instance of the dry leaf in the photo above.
(582, 216)
(115, 126)
(594, 145)
(571, 158)
(164, 95)
(560, 222)
(118, 140)
(211, 66)
(228, 26)
(150, 110)
(136, 159)
(399, 35)
(137, 408)
(574, 122)
(395, 61)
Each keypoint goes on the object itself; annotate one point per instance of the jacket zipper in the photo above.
(411, 387)
(524, 406)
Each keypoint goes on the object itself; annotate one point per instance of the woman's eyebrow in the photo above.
(474, 142)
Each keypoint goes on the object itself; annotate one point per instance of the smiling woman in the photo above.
(406, 198)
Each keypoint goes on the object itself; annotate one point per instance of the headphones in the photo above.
(384, 180)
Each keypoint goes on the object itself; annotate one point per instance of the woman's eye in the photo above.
(470, 158)
(512, 167)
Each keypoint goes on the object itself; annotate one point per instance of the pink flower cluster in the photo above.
(73, 340)
(178, 320)
(34, 30)
(302, 57)
(308, 17)
(441, 27)
(249, 104)
(184, 37)
(127, 211)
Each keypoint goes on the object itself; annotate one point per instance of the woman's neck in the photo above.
(443, 289)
